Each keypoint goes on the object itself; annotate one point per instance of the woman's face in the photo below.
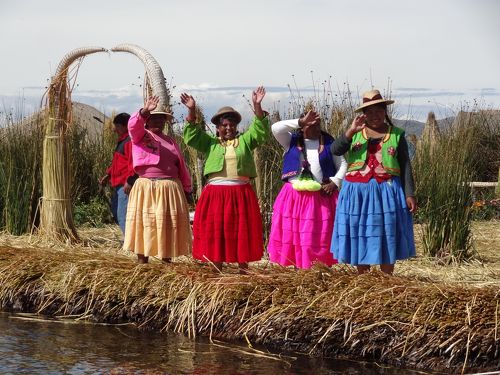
(156, 123)
(120, 129)
(227, 129)
(375, 116)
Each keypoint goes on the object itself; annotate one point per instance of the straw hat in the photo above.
(223, 111)
(372, 97)
(162, 111)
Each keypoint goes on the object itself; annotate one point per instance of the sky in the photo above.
(439, 55)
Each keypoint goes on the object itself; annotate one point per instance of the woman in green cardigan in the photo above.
(227, 223)
(373, 221)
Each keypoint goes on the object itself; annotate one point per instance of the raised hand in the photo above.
(188, 101)
(258, 94)
(357, 125)
(150, 105)
(310, 118)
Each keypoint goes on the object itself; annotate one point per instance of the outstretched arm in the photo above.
(138, 119)
(257, 96)
(407, 174)
(190, 103)
(193, 135)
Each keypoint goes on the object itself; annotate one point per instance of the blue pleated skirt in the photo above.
(373, 224)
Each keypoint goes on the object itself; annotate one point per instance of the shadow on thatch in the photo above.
(323, 311)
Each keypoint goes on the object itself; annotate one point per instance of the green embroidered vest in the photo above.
(356, 157)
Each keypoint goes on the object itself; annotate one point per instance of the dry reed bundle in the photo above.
(322, 311)
(154, 80)
(56, 219)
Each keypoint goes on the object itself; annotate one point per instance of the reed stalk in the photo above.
(323, 311)
(20, 178)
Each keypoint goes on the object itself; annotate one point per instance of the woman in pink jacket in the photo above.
(157, 215)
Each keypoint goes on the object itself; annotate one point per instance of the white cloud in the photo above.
(258, 42)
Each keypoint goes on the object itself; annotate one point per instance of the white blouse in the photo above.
(282, 131)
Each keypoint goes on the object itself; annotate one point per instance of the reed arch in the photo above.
(56, 212)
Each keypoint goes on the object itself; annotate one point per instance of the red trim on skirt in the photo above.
(227, 225)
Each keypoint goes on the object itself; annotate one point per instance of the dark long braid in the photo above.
(388, 119)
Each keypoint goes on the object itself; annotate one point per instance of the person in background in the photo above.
(120, 174)
(374, 225)
(304, 210)
(227, 223)
(157, 215)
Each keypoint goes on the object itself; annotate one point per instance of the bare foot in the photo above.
(387, 268)
(363, 269)
(243, 268)
(218, 266)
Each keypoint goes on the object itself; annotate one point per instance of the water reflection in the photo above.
(33, 346)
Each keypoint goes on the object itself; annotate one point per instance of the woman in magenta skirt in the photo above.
(304, 210)
(227, 223)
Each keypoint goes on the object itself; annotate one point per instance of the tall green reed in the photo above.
(21, 142)
(20, 171)
(89, 158)
(443, 169)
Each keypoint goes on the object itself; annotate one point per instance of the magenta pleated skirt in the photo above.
(301, 229)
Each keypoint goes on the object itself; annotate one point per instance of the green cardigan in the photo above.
(214, 151)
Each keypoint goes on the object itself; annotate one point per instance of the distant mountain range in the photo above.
(92, 119)
(417, 127)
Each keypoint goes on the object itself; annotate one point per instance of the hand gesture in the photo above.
(358, 123)
(150, 105)
(411, 202)
(104, 180)
(126, 188)
(188, 101)
(258, 94)
(329, 188)
(310, 118)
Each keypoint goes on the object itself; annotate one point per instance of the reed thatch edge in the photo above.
(321, 312)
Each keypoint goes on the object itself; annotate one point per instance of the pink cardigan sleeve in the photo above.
(136, 127)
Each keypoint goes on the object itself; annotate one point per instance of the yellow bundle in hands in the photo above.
(306, 185)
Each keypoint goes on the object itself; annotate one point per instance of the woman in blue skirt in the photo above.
(373, 223)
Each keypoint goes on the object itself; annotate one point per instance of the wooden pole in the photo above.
(497, 189)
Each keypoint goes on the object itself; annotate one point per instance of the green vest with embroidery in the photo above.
(356, 157)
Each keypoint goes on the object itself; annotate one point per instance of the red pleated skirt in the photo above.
(227, 225)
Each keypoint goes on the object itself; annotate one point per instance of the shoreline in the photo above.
(397, 320)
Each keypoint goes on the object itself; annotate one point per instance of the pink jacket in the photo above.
(146, 149)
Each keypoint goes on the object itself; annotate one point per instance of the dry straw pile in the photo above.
(397, 320)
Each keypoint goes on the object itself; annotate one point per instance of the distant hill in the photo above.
(417, 127)
(410, 126)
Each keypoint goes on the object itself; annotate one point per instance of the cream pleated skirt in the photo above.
(158, 219)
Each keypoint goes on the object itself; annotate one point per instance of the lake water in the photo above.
(30, 345)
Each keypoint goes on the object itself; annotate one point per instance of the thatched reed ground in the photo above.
(428, 316)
